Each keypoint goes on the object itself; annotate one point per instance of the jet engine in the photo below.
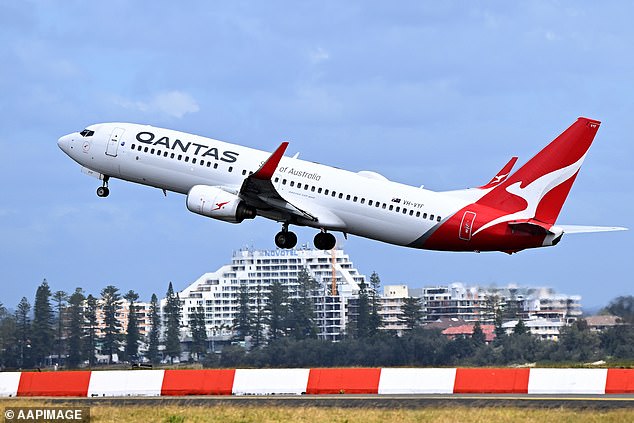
(214, 202)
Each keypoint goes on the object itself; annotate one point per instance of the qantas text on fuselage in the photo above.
(229, 182)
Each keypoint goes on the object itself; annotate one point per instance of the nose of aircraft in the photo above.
(63, 142)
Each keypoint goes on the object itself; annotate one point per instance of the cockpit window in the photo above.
(87, 133)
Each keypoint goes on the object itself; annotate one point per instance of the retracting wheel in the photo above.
(285, 239)
(325, 241)
(103, 190)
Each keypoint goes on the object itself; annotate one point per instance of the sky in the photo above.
(439, 94)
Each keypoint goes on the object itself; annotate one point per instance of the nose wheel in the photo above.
(103, 190)
(324, 241)
(285, 238)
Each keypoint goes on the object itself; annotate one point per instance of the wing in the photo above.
(258, 191)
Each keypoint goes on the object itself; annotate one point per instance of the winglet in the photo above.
(265, 172)
(502, 174)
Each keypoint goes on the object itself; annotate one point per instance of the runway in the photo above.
(594, 402)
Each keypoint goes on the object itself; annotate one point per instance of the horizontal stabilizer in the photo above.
(577, 229)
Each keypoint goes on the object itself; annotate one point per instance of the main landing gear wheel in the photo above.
(325, 241)
(103, 191)
(285, 239)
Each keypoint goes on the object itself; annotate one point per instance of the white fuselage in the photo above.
(364, 203)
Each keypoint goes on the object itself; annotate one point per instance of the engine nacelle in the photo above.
(213, 202)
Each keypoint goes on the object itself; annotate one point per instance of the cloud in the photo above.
(171, 103)
(318, 55)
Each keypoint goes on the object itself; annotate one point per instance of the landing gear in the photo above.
(324, 241)
(103, 190)
(285, 238)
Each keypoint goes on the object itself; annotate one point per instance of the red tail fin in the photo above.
(539, 188)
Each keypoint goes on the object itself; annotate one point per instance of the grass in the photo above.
(244, 414)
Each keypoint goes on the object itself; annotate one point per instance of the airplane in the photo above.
(231, 183)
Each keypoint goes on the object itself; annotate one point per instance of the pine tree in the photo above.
(301, 318)
(132, 336)
(155, 331)
(499, 329)
(23, 324)
(276, 309)
(9, 355)
(90, 335)
(110, 298)
(43, 334)
(75, 325)
(257, 327)
(172, 313)
(412, 312)
(362, 321)
(199, 333)
(243, 318)
(520, 328)
(478, 336)
(60, 298)
(375, 304)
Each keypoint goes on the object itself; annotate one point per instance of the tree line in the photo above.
(62, 328)
(281, 331)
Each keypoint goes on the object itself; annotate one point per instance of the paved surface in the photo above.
(596, 402)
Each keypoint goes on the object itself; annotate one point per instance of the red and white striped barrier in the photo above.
(316, 381)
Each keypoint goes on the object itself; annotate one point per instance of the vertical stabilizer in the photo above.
(538, 189)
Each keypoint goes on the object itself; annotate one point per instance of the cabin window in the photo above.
(152, 151)
(202, 162)
(208, 164)
(306, 187)
(424, 215)
(378, 204)
(186, 159)
(172, 156)
(312, 189)
(215, 165)
(292, 183)
(417, 214)
(165, 154)
(194, 160)
(132, 146)
(369, 202)
(438, 219)
(383, 206)
(158, 152)
(277, 180)
(340, 195)
(244, 172)
(145, 150)
(404, 210)
(180, 157)
(431, 217)
(355, 199)
(230, 168)
(391, 207)
(319, 191)
(326, 192)
(299, 185)
(398, 208)
(411, 212)
(348, 197)
(283, 181)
